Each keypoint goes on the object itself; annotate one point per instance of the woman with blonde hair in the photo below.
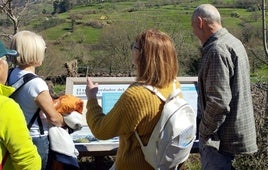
(155, 58)
(35, 93)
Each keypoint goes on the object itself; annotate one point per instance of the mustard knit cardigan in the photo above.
(137, 108)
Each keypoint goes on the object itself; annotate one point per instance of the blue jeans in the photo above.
(42, 144)
(213, 159)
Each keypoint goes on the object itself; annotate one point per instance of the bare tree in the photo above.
(13, 12)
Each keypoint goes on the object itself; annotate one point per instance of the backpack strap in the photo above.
(9, 72)
(155, 91)
(21, 82)
(138, 137)
(4, 160)
(36, 116)
(18, 85)
(175, 93)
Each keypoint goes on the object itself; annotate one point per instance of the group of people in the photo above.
(26, 146)
(225, 107)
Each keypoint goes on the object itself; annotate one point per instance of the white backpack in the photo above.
(174, 134)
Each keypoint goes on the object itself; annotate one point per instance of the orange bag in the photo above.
(67, 103)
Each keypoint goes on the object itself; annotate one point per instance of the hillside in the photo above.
(98, 35)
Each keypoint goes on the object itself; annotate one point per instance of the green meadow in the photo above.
(90, 32)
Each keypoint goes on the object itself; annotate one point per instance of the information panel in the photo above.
(107, 95)
(110, 90)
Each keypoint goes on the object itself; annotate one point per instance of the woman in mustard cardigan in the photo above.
(155, 58)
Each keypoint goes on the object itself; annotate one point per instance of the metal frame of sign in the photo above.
(72, 81)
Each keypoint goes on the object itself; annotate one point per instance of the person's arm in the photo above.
(45, 102)
(17, 140)
(132, 106)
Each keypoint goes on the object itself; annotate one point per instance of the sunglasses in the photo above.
(133, 46)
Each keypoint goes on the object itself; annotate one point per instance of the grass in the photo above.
(260, 75)
(59, 89)
(168, 18)
(89, 35)
(177, 16)
(145, 14)
(56, 32)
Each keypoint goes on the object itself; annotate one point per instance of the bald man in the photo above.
(227, 124)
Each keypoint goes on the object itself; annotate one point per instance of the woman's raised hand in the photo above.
(91, 89)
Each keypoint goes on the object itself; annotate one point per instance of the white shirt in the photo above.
(26, 99)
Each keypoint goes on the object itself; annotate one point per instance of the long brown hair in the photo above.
(157, 63)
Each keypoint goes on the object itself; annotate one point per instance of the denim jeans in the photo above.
(213, 159)
(42, 144)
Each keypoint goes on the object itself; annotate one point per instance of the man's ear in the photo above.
(200, 22)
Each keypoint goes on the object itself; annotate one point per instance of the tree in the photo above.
(61, 6)
(13, 10)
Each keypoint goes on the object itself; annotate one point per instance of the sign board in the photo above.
(111, 88)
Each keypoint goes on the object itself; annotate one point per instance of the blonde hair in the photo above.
(31, 48)
(157, 62)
